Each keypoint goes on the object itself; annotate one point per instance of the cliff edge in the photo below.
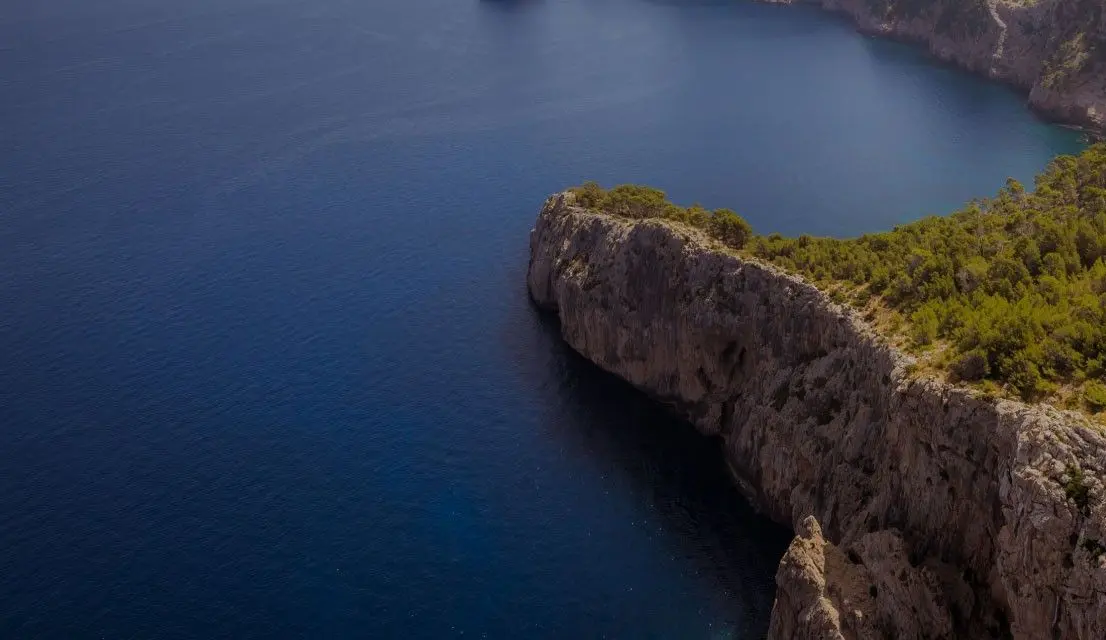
(922, 509)
(1053, 49)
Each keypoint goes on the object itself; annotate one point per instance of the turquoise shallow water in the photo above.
(269, 365)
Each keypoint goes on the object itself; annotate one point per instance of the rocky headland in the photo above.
(921, 509)
(1053, 49)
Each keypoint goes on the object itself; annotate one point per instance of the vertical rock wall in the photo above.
(937, 513)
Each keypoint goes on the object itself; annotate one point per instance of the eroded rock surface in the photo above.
(959, 515)
(1053, 49)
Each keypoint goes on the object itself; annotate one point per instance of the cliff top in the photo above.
(1007, 295)
(958, 515)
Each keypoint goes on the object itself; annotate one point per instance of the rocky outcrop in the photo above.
(936, 512)
(871, 591)
(1053, 49)
(820, 595)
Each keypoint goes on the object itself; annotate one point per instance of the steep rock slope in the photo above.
(1054, 49)
(955, 514)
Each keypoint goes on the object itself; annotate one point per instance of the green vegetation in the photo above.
(1009, 293)
(1075, 487)
(1076, 49)
(1069, 59)
(638, 202)
(1095, 394)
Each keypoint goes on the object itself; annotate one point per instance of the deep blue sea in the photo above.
(268, 365)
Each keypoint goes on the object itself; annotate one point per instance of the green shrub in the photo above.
(588, 195)
(730, 228)
(640, 202)
(1024, 375)
(1076, 489)
(971, 366)
(1095, 394)
(924, 326)
(1014, 285)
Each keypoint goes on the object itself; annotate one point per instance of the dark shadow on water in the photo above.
(677, 474)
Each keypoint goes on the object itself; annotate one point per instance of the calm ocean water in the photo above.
(269, 369)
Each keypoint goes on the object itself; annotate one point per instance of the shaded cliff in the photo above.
(1053, 49)
(935, 512)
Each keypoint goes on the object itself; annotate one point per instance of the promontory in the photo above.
(926, 503)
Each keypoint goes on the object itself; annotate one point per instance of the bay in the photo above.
(270, 369)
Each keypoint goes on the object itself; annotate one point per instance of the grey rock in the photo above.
(1053, 49)
(951, 506)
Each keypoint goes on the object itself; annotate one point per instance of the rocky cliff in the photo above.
(1054, 49)
(922, 510)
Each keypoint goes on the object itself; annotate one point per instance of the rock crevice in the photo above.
(923, 509)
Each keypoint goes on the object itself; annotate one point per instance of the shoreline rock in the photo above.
(963, 515)
(1052, 50)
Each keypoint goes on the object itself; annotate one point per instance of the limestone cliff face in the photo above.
(938, 513)
(1054, 49)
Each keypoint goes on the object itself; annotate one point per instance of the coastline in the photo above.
(920, 507)
(1017, 45)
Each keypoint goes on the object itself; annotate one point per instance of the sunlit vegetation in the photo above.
(1008, 293)
(639, 202)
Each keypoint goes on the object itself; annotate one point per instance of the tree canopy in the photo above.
(639, 202)
(1008, 292)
